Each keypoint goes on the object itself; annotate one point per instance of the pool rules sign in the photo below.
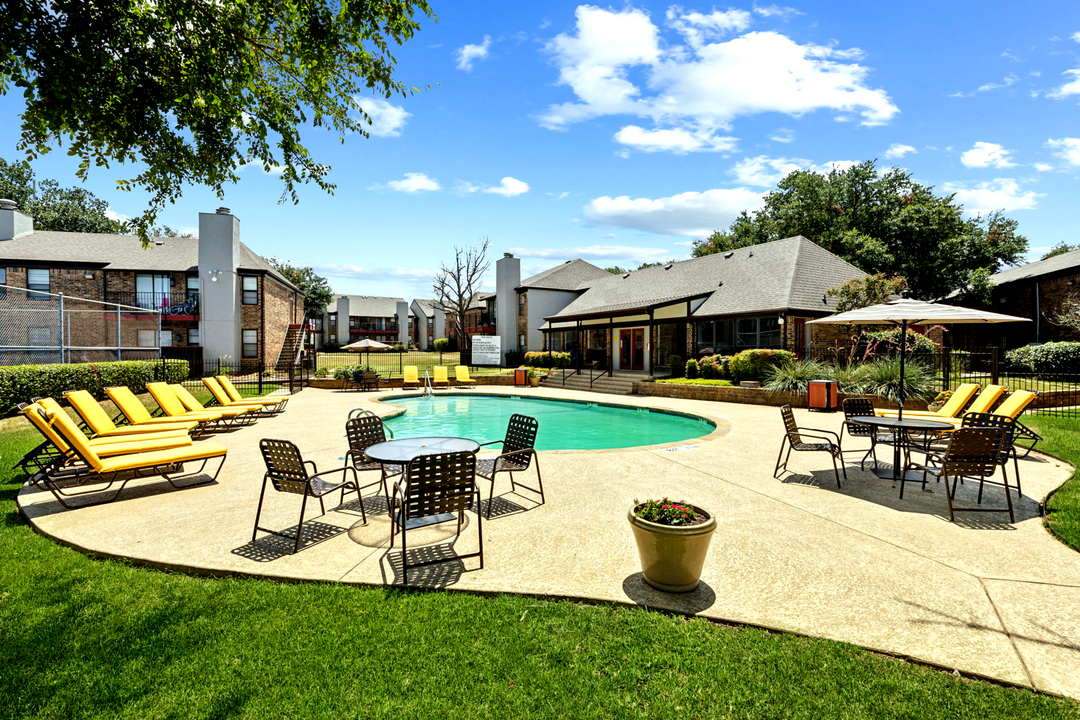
(486, 350)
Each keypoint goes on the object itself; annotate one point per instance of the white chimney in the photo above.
(14, 224)
(219, 256)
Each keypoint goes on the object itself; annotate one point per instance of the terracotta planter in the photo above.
(672, 556)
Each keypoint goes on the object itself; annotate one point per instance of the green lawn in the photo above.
(696, 381)
(85, 638)
(1061, 437)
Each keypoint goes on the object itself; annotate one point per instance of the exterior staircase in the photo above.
(290, 346)
(621, 384)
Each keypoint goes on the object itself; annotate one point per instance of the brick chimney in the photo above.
(14, 224)
(219, 256)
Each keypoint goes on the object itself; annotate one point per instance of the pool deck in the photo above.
(859, 565)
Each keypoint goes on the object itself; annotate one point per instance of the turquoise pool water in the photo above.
(564, 425)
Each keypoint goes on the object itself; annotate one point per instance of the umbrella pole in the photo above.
(903, 358)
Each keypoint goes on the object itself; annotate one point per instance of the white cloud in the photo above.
(115, 216)
(1075, 36)
(468, 54)
(694, 214)
(359, 272)
(784, 13)
(266, 169)
(1070, 88)
(697, 27)
(1044, 167)
(192, 230)
(1007, 81)
(764, 171)
(595, 252)
(560, 196)
(509, 187)
(413, 183)
(677, 140)
(783, 135)
(985, 154)
(387, 119)
(703, 86)
(897, 151)
(1000, 194)
(1068, 149)
(464, 187)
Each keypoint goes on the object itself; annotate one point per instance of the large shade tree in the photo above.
(53, 207)
(316, 288)
(191, 90)
(881, 223)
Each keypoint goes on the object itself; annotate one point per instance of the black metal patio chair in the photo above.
(287, 471)
(362, 432)
(973, 453)
(795, 438)
(518, 453)
(863, 407)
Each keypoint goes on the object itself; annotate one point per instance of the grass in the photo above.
(1061, 437)
(85, 638)
(389, 363)
(695, 381)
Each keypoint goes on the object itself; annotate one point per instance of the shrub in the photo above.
(19, 383)
(793, 377)
(547, 360)
(1048, 359)
(881, 377)
(699, 381)
(888, 341)
(398, 347)
(331, 346)
(691, 369)
(348, 371)
(441, 344)
(677, 366)
(754, 364)
(715, 367)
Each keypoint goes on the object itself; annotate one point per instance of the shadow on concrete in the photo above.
(447, 572)
(691, 603)
(948, 620)
(268, 548)
(502, 506)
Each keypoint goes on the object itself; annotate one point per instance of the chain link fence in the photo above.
(39, 327)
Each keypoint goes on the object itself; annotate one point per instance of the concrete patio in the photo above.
(857, 564)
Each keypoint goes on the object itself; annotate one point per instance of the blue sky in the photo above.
(620, 133)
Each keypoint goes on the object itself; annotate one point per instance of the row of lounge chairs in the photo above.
(440, 377)
(91, 460)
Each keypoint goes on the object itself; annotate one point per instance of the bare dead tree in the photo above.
(1068, 313)
(455, 286)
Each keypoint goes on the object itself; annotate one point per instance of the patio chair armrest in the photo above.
(827, 432)
(314, 467)
(522, 451)
(493, 442)
(803, 434)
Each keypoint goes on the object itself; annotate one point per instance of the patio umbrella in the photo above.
(904, 312)
(367, 345)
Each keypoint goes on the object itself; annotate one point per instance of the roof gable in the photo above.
(570, 275)
(1058, 263)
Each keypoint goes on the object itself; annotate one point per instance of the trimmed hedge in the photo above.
(1052, 358)
(19, 383)
(691, 369)
(755, 364)
(547, 360)
(715, 367)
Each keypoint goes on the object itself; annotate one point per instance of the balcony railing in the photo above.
(174, 303)
(373, 327)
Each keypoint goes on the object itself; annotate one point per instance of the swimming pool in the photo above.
(564, 425)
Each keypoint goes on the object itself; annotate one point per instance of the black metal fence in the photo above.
(251, 378)
(392, 364)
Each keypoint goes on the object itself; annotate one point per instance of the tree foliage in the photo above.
(316, 289)
(192, 90)
(71, 209)
(864, 292)
(1061, 248)
(456, 284)
(881, 223)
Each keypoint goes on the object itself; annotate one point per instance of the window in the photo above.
(728, 336)
(333, 338)
(147, 338)
(716, 336)
(193, 337)
(39, 336)
(521, 343)
(165, 338)
(37, 279)
(193, 283)
(153, 291)
(521, 304)
(3, 281)
(250, 294)
(250, 341)
(332, 318)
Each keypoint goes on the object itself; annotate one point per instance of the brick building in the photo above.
(213, 294)
(354, 317)
(1035, 291)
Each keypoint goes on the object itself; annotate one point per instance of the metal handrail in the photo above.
(605, 371)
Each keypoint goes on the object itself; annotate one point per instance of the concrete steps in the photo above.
(621, 384)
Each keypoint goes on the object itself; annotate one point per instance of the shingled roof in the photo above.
(791, 274)
(372, 305)
(1058, 263)
(120, 252)
(570, 275)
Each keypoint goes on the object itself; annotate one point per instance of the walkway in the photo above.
(857, 565)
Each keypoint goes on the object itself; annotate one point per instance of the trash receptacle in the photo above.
(521, 377)
(822, 395)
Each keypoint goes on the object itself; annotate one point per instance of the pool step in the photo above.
(621, 384)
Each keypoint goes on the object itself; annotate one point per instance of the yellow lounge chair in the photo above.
(951, 409)
(55, 456)
(1011, 407)
(102, 425)
(276, 403)
(461, 373)
(171, 406)
(224, 400)
(440, 379)
(982, 404)
(136, 412)
(411, 376)
(126, 467)
(192, 404)
(161, 434)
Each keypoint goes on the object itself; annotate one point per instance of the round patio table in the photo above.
(404, 450)
(902, 428)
